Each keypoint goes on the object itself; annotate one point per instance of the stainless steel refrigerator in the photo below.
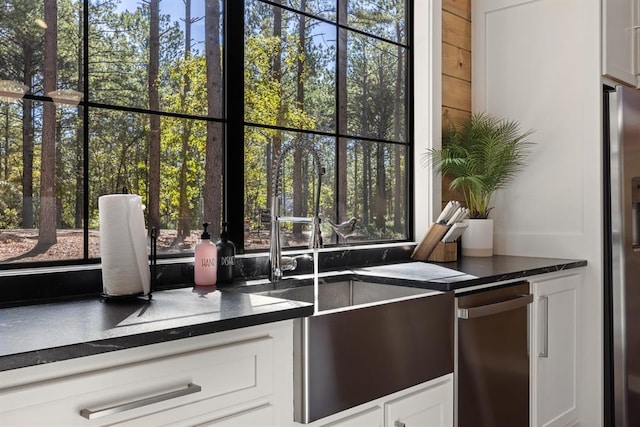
(622, 255)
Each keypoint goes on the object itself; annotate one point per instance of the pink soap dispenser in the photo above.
(206, 260)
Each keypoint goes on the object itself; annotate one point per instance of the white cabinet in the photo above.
(224, 379)
(258, 416)
(540, 62)
(426, 405)
(620, 42)
(254, 417)
(555, 356)
(430, 407)
(370, 417)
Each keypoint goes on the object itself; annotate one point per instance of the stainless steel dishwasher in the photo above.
(493, 357)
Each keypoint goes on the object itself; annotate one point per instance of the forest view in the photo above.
(101, 95)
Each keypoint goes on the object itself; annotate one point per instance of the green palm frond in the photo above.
(482, 154)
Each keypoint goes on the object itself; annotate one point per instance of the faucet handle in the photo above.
(288, 263)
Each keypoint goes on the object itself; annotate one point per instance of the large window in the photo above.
(188, 104)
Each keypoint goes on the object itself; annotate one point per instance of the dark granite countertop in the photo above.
(38, 334)
(467, 271)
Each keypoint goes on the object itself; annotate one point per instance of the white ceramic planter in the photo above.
(477, 239)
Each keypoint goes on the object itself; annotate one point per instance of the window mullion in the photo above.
(234, 113)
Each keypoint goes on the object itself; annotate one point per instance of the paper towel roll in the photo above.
(123, 245)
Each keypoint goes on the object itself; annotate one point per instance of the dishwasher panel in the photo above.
(493, 359)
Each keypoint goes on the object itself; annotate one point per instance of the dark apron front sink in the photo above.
(367, 340)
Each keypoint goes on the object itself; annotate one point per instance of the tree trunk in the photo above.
(366, 181)
(341, 167)
(47, 220)
(367, 206)
(7, 150)
(381, 194)
(121, 177)
(184, 211)
(276, 72)
(59, 166)
(299, 193)
(356, 174)
(381, 176)
(399, 195)
(153, 219)
(79, 154)
(213, 153)
(27, 141)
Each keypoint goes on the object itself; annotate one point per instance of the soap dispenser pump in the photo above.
(206, 260)
(226, 256)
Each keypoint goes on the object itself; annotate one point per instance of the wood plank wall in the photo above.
(456, 58)
(456, 68)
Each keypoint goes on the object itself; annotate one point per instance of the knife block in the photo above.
(429, 242)
(444, 252)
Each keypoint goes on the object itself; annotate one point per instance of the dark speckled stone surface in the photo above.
(38, 334)
(468, 271)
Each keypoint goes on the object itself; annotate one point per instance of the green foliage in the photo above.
(271, 99)
(482, 154)
(301, 95)
(173, 130)
(10, 205)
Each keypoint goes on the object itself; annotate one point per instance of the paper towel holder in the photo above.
(153, 261)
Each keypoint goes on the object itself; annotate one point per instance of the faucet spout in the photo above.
(277, 262)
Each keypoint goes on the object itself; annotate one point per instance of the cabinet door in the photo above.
(555, 351)
(429, 407)
(372, 417)
(620, 40)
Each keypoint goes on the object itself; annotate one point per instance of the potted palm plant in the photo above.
(481, 154)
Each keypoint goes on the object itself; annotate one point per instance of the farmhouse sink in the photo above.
(366, 340)
(348, 294)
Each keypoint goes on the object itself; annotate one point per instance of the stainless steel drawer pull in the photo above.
(545, 329)
(399, 424)
(97, 413)
(498, 307)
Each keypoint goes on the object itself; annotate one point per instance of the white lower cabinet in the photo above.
(431, 407)
(226, 379)
(253, 417)
(555, 356)
(426, 405)
(372, 417)
(235, 378)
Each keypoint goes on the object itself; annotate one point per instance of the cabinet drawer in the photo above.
(175, 386)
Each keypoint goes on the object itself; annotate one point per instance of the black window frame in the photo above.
(234, 124)
(235, 104)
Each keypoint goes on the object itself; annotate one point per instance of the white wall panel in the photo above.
(427, 57)
(538, 62)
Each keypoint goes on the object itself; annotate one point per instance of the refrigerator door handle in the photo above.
(545, 329)
(495, 308)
